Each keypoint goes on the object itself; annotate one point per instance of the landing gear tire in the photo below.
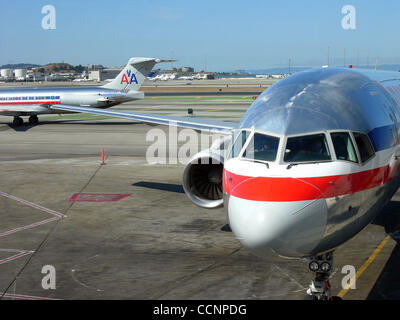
(33, 120)
(320, 288)
(18, 121)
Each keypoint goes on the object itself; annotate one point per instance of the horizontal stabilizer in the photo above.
(161, 61)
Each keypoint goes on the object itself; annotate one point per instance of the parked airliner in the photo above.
(36, 101)
(313, 161)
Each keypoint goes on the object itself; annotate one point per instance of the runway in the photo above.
(154, 243)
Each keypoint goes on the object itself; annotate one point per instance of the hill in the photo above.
(19, 66)
(59, 67)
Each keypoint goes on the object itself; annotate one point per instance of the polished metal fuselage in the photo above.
(321, 100)
(37, 100)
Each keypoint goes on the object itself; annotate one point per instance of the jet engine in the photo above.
(83, 100)
(202, 176)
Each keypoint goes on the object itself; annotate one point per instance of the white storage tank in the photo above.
(20, 74)
(7, 73)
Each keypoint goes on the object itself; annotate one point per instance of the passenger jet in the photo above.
(37, 101)
(313, 161)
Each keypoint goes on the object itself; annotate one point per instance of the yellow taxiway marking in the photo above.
(364, 267)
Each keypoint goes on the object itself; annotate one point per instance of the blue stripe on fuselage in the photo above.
(383, 137)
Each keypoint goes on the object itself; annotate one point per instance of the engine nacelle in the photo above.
(83, 100)
(202, 176)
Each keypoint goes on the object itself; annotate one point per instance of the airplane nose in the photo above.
(286, 228)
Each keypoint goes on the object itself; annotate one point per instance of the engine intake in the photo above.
(202, 181)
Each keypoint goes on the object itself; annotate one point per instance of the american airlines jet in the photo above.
(37, 101)
(313, 161)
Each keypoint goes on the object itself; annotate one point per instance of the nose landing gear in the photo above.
(320, 288)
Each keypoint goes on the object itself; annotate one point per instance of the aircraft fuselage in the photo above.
(23, 102)
(333, 160)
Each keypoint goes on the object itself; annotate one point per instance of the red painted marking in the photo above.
(124, 79)
(97, 197)
(298, 189)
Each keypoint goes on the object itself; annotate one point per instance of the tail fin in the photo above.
(133, 75)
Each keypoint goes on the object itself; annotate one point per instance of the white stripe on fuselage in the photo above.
(321, 169)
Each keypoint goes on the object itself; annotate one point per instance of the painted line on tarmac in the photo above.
(31, 204)
(57, 215)
(20, 253)
(33, 225)
(23, 297)
(364, 267)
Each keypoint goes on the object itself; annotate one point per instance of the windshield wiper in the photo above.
(266, 163)
(309, 162)
(257, 161)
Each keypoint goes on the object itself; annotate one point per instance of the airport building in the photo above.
(95, 66)
(104, 74)
(186, 69)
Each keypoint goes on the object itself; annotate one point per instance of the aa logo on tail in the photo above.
(128, 75)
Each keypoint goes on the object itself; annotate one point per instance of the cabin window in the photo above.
(307, 148)
(344, 147)
(239, 143)
(262, 147)
(364, 146)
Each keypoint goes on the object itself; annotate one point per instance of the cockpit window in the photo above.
(239, 143)
(307, 148)
(364, 146)
(262, 147)
(344, 147)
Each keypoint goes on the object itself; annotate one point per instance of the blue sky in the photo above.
(224, 35)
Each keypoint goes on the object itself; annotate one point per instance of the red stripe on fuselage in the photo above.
(30, 102)
(300, 189)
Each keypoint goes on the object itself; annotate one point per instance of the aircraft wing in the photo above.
(211, 126)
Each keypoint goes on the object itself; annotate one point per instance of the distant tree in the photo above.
(79, 68)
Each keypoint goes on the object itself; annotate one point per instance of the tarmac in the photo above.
(153, 243)
(217, 87)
